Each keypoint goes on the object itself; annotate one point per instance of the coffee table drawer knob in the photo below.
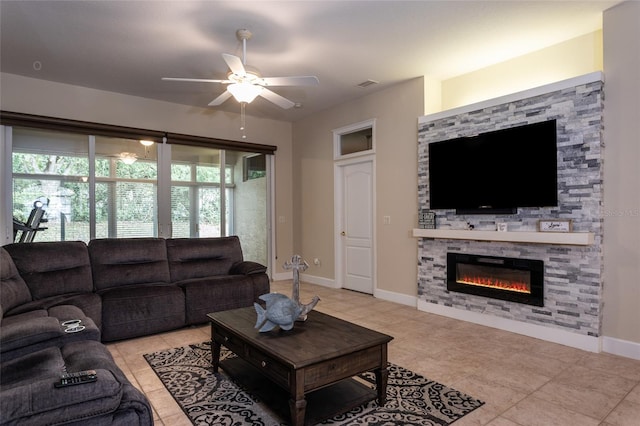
(263, 364)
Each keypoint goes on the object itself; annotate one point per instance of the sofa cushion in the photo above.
(43, 364)
(213, 294)
(25, 332)
(89, 303)
(24, 316)
(13, 289)
(247, 268)
(39, 403)
(29, 397)
(139, 310)
(38, 329)
(134, 408)
(202, 257)
(127, 261)
(260, 285)
(53, 268)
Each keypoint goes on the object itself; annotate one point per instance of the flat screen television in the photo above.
(495, 172)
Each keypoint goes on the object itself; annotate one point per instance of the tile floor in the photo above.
(523, 381)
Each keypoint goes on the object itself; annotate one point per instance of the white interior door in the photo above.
(357, 223)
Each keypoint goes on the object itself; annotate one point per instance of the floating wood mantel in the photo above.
(569, 238)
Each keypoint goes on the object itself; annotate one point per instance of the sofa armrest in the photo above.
(39, 402)
(24, 333)
(247, 267)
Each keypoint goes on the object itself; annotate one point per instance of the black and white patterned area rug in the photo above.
(209, 398)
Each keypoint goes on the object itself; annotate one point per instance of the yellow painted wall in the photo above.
(578, 56)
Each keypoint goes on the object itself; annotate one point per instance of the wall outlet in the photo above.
(386, 220)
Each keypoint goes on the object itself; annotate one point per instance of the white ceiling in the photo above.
(127, 46)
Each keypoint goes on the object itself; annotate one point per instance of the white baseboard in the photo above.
(282, 276)
(325, 282)
(391, 296)
(587, 343)
(620, 347)
(311, 279)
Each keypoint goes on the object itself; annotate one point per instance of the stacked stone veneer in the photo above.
(572, 274)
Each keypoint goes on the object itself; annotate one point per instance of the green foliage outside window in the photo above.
(181, 172)
(50, 164)
(137, 170)
(63, 181)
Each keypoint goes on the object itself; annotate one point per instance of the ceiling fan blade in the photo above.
(197, 80)
(220, 99)
(281, 101)
(302, 80)
(235, 64)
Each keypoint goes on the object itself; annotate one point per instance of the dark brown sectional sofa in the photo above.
(118, 289)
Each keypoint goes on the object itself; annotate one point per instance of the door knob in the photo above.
(343, 233)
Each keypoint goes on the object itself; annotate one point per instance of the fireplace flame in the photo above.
(480, 281)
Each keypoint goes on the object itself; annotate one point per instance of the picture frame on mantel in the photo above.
(427, 220)
(555, 225)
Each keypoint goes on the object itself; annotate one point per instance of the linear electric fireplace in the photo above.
(515, 280)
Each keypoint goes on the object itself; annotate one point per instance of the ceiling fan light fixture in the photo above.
(245, 83)
(146, 142)
(244, 92)
(128, 158)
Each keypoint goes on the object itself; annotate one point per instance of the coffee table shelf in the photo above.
(322, 404)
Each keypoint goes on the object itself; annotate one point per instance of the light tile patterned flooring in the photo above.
(523, 381)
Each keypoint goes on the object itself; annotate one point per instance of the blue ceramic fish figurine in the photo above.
(281, 311)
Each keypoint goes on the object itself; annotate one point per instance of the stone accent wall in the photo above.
(573, 274)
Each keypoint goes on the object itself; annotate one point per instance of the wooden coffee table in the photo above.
(320, 355)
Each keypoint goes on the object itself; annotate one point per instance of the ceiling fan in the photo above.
(245, 84)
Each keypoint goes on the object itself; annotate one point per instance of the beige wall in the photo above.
(622, 172)
(578, 56)
(31, 96)
(396, 159)
(396, 110)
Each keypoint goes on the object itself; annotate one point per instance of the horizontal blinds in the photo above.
(8, 118)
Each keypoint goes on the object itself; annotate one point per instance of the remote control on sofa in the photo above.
(70, 379)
